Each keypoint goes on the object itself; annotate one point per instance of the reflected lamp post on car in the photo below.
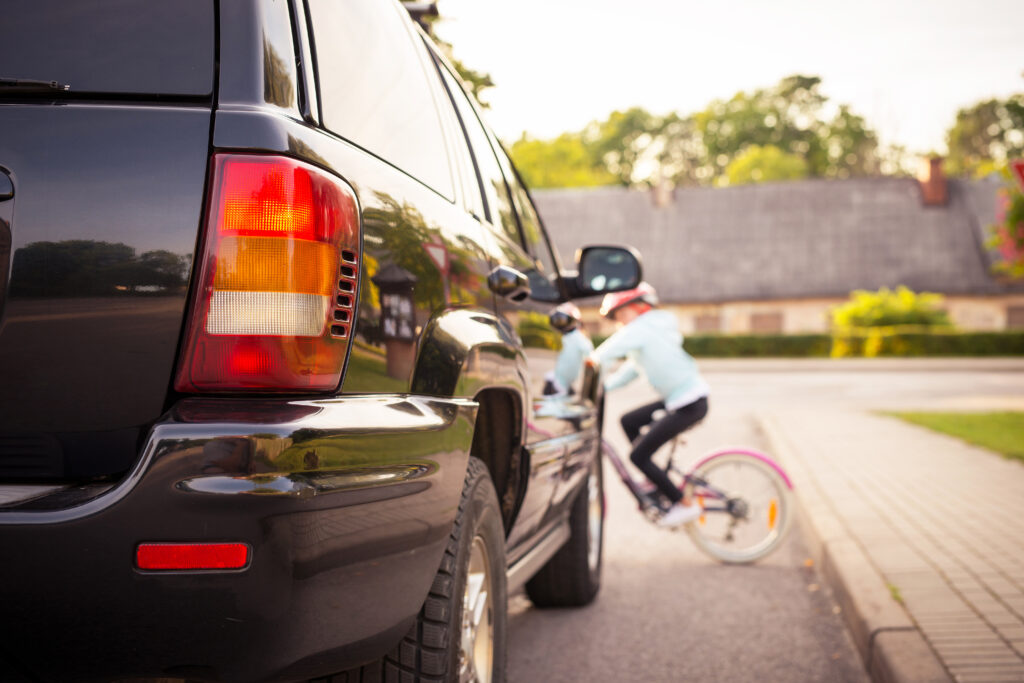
(397, 318)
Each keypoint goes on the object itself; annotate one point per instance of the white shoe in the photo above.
(680, 514)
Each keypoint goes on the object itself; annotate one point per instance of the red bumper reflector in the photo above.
(179, 556)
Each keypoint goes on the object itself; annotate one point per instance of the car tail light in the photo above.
(277, 280)
(191, 556)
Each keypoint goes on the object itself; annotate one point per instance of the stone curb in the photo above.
(891, 646)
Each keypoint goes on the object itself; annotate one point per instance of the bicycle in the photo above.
(744, 493)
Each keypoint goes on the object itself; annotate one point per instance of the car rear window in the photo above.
(111, 46)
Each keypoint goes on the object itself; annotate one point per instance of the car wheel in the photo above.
(459, 634)
(573, 576)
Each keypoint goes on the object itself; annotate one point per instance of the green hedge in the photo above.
(864, 343)
(759, 345)
(884, 342)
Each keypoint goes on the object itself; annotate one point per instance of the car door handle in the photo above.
(508, 283)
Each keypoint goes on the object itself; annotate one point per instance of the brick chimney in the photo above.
(933, 182)
(662, 194)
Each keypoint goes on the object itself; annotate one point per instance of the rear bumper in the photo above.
(346, 503)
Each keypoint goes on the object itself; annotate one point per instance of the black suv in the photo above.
(274, 331)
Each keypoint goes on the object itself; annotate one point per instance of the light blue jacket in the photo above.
(576, 346)
(653, 344)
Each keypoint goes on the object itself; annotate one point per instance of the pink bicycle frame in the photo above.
(640, 493)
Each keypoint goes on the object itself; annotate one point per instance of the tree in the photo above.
(94, 268)
(679, 152)
(643, 149)
(986, 132)
(789, 116)
(757, 164)
(786, 123)
(563, 162)
(784, 116)
(620, 142)
(851, 148)
(478, 81)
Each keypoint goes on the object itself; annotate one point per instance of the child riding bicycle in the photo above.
(650, 341)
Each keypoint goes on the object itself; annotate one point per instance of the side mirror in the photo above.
(603, 269)
(509, 283)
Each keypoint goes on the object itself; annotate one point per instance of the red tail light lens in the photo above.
(282, 241)
(191, 556)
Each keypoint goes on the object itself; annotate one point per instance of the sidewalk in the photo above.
(920, 536)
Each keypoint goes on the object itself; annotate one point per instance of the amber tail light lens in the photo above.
(281, 241)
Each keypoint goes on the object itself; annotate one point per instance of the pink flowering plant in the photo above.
(1007, 235)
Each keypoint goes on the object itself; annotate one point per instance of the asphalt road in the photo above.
(668, 613)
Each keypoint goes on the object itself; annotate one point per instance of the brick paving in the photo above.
(941, 521)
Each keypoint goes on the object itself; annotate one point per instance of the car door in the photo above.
(524, 317)
(563, 428)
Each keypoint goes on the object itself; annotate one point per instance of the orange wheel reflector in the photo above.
(773, 513)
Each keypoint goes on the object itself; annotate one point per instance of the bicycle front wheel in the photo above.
(747, 507)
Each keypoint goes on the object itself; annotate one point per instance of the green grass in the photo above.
(367, 371)
(1000, 432)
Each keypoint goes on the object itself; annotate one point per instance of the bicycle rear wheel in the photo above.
(747, 507)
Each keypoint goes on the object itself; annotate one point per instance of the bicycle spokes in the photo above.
(745, 510)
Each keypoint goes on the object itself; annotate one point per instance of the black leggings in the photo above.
(660, 432)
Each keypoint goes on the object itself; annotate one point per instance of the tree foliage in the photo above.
(638, 148)
(620, 142)
(789, 116)
(985, 135)
(757, 164)
(563, 162)
(477, 81)
(94, 268)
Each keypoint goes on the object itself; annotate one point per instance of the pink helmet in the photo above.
(616, 300)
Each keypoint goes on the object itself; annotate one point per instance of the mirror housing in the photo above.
(601, 269)
(509, 283)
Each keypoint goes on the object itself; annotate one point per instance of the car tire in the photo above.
(572, 577)
(449, 642)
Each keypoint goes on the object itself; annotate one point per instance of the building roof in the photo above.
(805, 239)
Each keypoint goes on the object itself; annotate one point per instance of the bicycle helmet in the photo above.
(565, 317)
(616, 300)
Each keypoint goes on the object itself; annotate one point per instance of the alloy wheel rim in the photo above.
(476, 653)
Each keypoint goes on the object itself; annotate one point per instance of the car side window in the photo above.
(374, 87)
(544, 280)
(499, 204)
(497, 179)
(472, 180)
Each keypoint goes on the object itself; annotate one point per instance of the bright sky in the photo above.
(905, 65)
